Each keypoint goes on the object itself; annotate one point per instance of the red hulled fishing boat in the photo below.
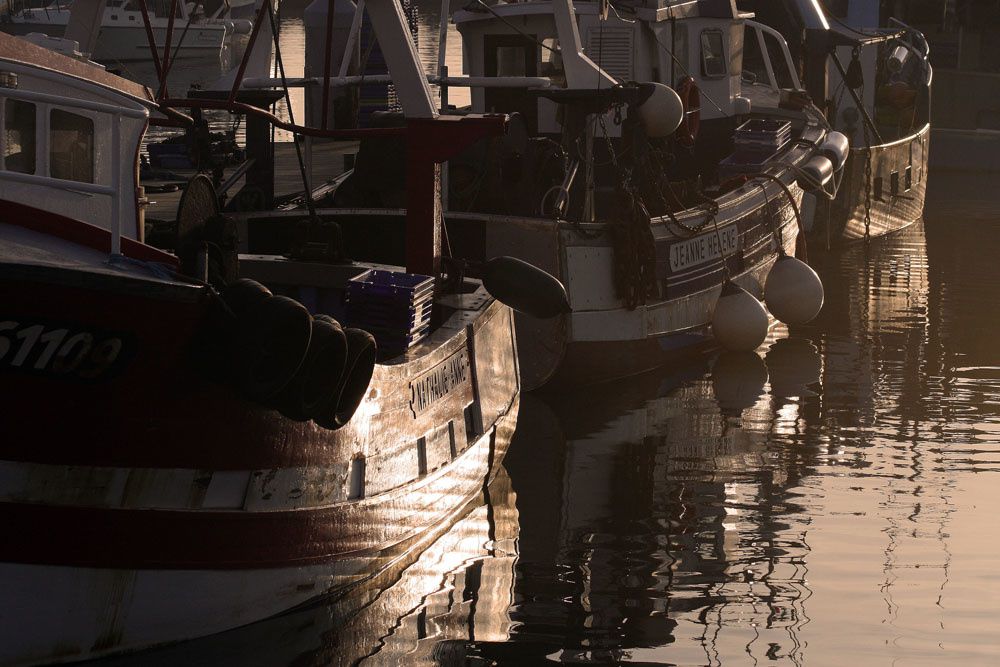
(197, 440)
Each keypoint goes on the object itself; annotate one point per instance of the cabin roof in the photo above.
(24, 52)
(648, 10)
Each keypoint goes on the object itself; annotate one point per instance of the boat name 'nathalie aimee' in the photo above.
(703, 248)
(439, 381)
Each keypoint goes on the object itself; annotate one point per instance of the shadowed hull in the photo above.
(899, 187)
(148, 504)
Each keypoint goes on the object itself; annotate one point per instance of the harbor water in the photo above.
(829, 500)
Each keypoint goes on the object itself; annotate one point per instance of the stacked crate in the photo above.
(393, 307)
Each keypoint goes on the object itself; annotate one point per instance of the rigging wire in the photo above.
(791, 199)
(310, 204)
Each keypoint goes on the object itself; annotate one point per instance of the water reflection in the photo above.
(423, 606)
(659, 539)
(814, 506)
(827, 501)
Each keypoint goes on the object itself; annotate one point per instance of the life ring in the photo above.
(314, 389)
(687, 132)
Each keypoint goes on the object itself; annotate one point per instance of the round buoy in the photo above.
(662, 111)
(314, 388)
(835, 148)
(793, 364)
(816, 173)
(242, 26)
(739, 321)
(358, 371)
(738, 380)
(524, 287)
(793, 292)
(271, 341)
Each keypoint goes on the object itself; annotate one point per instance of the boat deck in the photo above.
(28, 249)
(327, 162)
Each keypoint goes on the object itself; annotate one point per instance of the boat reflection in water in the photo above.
(763, 508)
(654, 533)
(421, 606)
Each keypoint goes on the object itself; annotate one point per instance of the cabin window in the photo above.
(511, 61)
(511, 55)
(71, 146)
(19, 136)
(551, 61)
(713, 54)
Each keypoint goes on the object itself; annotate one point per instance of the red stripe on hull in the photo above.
(78, 232)
(206, 539)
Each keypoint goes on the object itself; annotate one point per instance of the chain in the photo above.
(632, 238)
(690, 229)
(868, 180)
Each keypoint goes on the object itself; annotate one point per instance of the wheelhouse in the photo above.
(64, 135)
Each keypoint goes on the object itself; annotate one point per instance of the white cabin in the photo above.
(71, 138)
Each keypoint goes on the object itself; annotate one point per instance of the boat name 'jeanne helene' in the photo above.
(439, 382)
(704, 248)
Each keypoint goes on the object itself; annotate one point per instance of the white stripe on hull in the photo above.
(61, 613)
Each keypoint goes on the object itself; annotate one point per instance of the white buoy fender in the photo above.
(739, 321)
(897, 59)
(835, 148)
(738, 380)
(662, 111)
(817, 172)
(793, 292)
(793, 364)
(242, 26)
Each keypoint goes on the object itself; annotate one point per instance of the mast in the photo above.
(581, 71)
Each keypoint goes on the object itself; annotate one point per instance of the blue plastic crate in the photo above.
(391, 344)
(363, 310)
(392, 286)
(762, 134)
(389, 325)
(394, 307)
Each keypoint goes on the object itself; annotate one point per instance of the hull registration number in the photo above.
(65, 351)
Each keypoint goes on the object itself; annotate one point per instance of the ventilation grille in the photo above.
(611, 49)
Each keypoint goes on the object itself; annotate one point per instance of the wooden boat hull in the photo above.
(147, 504)
(456, 583)
(899, 187)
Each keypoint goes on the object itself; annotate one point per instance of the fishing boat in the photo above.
(636, 170)
(203, 439)
(870, 74)
(200, 31)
